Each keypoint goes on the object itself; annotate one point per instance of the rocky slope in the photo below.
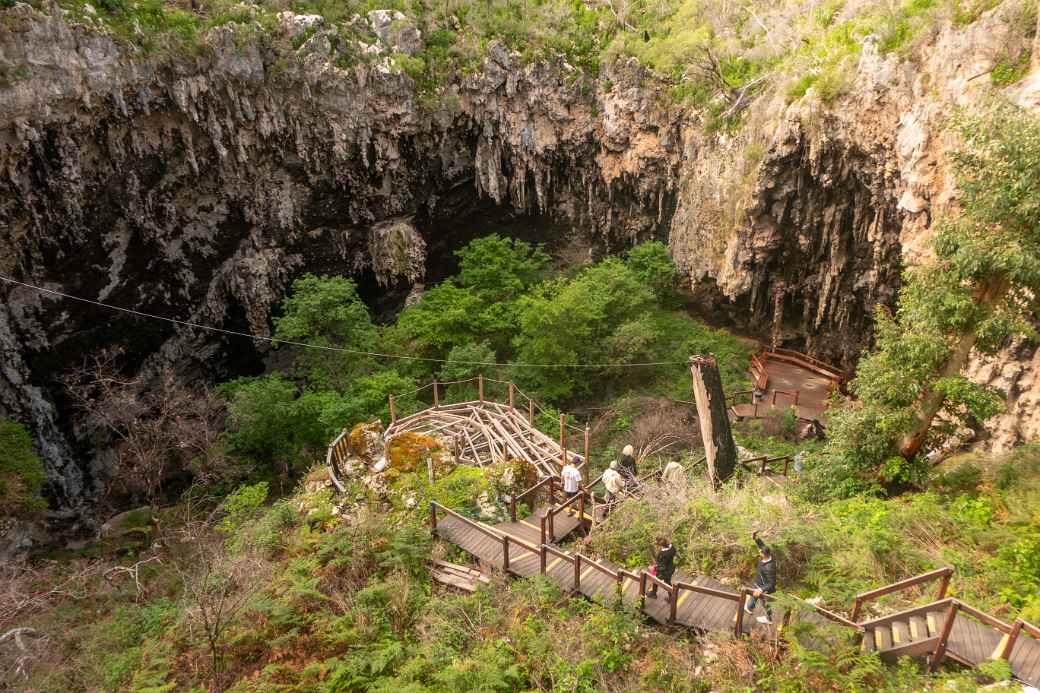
(198, 187)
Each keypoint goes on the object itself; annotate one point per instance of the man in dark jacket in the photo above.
(764, 582)
(664, 564)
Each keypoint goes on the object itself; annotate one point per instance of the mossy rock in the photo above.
(366, 441)
(408, 452)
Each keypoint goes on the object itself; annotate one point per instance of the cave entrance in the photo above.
(458, 220)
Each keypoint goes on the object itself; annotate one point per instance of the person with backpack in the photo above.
(628, 464)
(664, 565)
(764, 582)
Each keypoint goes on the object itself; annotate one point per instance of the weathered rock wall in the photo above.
(199, 187)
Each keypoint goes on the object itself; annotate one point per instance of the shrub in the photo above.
(21, 472)
(241, 506)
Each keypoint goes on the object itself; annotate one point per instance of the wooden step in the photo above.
(918, 628)
(900, 633)
(883, 638)
(867, 645)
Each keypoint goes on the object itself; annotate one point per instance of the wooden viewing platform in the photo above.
(787, 379)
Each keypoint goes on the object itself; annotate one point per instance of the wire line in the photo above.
(304, 345)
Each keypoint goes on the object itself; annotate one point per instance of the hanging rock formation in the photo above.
(198, 187)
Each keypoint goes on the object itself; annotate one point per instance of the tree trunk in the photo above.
(931, 402)
(719, 448)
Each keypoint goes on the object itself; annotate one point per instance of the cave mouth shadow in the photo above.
(451, 227)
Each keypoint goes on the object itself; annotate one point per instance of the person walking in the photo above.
(764, 582)
(674, 474)
(614, 483)
(571, 476)
(664, 564)
(628, 463)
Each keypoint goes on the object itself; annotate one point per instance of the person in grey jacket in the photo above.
(765, 580)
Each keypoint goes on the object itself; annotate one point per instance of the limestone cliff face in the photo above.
(198, 188)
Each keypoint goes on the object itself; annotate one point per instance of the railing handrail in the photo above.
(1029, 628)
(907, 613)
(523, 544)
(906, 583)
(595, 564)
(710, 591)
(545, 480)
(658, 582)
(991, 621)
(559, 553)
(491, 532)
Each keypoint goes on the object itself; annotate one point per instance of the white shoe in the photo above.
(764, 619)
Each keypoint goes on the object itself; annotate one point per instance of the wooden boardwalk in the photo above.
(697, 601)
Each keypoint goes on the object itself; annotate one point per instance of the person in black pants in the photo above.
(764, 582)
(665, 563)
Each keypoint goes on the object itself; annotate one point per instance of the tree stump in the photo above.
(719, 448)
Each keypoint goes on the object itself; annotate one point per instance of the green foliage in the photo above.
(651, 263)
(980, 289)
(500, 269)
(326, 311)
(593, 318)
(242, 505)
(21, 472)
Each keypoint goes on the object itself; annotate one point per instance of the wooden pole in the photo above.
(433, 518)
(530, 411)
(561, 429)
(429, 468)
(944, 582)
(673, 604)
(738, 624)
(856, 606)
(577, 572)
(480, 386)
(512, 507)
(585, 467)
(541, 549)
(1009, 640)
(944, 636)
(512, 390)
(505, 554)
(642, 588)
(436, 395)
(393, 410)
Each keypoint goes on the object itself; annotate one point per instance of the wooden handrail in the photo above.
(710, 591)
(473, 523)
(943, 573)
(523, 544)
(595, 564)
(1029, 628)
(917, 610)
(991, 621)
(658, 582)
(559, 553)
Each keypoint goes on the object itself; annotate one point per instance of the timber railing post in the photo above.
(585, 467)
(796, 393)
(944, 636)
(505, 553)
(512, 507)
(552, 523)
(541, 550)
(1009, 640)
(530, 411)
(512, 391)
(673, 603)
(642, 588)
(433, 518)
(436, 395)
(393, 409)
(944, 583)
(856, 606)
(577, 572)
(480, 387)
(581, 506)
(561, 429)
(738, 623)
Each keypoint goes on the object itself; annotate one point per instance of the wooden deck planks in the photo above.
(1025, 660)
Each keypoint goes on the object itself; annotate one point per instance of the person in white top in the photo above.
(614, 482)
(673, 474)
(571, 477)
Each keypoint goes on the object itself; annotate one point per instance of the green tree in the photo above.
(652, 264)
(500, 269)
(268, 428)
(580, 321)
(981, 287)
(326, 311)
(21, 472)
